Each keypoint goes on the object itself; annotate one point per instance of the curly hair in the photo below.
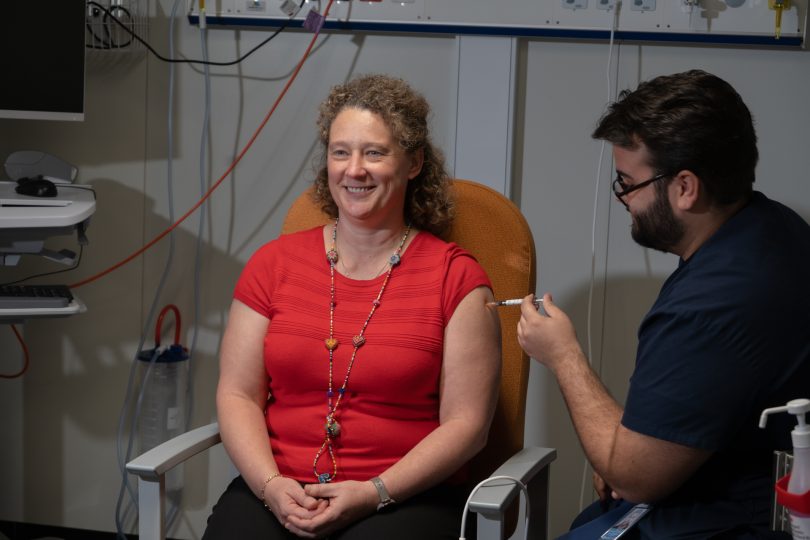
(428, 202)
(689, 121)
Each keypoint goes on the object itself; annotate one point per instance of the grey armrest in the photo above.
(162, 458)
(490, 501)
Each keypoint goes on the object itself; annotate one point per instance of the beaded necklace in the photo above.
(332, 428)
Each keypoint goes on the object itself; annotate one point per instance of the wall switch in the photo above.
(642, 5)
(575, 4)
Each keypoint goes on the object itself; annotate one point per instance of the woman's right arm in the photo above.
(241, 400)
(242, 395)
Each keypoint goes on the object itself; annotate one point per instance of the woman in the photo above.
(359, 368)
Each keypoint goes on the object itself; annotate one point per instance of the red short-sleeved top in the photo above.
(392, 397)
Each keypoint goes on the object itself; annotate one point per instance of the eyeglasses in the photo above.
(620, 189)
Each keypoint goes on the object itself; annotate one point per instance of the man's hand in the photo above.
(605, 492)
(549, 338)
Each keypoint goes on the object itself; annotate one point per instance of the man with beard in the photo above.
(725, 339)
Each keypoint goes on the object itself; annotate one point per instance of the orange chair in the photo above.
(492, 228)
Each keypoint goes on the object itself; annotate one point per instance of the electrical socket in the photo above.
(574, 4)
(642, 5)
(606, 4)
(259, 6)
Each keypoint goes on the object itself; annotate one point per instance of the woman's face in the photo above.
(368, 170)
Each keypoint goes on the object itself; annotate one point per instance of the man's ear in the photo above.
(688, 189)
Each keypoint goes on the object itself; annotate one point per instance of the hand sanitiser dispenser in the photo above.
(793, 491)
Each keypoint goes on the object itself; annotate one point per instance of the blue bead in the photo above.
(394, 260)
(324, 478)
(341, 390)
(329, 393)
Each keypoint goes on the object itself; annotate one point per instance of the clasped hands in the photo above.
(315, 510)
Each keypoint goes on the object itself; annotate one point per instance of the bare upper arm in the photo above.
(241, 360)
(645, 469)
(472, 360)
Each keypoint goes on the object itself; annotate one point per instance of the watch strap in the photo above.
(385, 498)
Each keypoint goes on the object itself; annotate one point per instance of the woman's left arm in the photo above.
(468, 394)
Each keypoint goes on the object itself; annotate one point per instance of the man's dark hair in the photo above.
(694, 121)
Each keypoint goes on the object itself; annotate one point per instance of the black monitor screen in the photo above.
(42, 63)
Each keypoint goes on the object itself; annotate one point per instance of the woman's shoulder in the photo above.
(430, 243)
(296, 241)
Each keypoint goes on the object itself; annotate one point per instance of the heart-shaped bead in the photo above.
(331, 343)
(358, 341)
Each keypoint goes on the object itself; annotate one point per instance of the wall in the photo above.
(71, 397)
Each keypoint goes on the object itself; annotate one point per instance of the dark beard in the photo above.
(657, 228)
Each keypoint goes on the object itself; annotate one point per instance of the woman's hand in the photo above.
(288, 501)
(346, 502)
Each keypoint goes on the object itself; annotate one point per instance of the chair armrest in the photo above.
(492, 499)
(156, 462)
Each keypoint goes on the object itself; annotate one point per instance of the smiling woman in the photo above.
(372, 339)
(368, 172)
(403, 114)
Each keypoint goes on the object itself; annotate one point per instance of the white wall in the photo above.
(72, 395)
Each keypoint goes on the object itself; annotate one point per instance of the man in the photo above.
(727, 335)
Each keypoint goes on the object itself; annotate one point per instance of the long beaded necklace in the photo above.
(332, 428)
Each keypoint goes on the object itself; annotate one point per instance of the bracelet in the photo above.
(269, 479)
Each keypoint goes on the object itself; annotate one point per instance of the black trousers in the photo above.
(432, 515)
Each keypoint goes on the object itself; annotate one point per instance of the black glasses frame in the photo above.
(620, 189)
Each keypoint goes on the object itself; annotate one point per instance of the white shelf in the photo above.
(8, 316)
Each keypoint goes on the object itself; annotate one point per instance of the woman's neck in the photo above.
(363, 253)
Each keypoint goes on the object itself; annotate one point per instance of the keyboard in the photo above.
(34, 296)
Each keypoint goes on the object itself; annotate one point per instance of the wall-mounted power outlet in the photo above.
(256, 6)
(642, 5)
(605, 4)
(574, 4)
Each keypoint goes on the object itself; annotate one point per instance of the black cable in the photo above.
(183, 60)
(74, 267)
(106, 25)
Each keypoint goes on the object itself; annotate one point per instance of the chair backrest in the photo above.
(492, 228)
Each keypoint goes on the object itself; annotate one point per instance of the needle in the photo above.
(514, 302)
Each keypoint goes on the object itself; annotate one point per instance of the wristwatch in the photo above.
(385, 498)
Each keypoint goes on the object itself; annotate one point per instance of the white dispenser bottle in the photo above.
(799, 483)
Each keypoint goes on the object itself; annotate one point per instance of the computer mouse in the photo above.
(36, 187)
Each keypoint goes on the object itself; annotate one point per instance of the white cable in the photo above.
(205, 143)
(614, 24)
(482, 483)
(123, 457)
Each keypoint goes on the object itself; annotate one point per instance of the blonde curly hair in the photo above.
(428, 203)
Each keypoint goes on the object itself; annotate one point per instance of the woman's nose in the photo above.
(356, 166)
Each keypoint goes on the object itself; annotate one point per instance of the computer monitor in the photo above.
(42, 68)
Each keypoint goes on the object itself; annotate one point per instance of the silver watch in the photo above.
(385, 498)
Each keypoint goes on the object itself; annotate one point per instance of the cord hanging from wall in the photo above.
(107, 41)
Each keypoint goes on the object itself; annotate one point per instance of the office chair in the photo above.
(492, 228)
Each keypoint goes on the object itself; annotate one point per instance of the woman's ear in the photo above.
(417, 160)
